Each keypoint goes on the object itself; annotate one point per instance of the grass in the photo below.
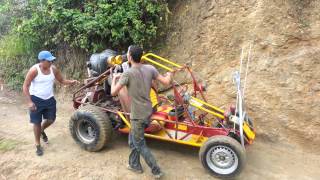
(16, 57)
(7, 145)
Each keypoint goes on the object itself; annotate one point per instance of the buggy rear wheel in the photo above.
(223, 156)
(90, 128)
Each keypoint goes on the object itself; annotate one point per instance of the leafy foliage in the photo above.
(92, 25)
(17, 54)
(29, 26)
(9, 11)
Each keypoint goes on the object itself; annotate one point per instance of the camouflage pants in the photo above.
(138, 146)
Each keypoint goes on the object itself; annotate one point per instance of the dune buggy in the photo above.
(181, 115)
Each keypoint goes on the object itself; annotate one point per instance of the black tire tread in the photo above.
(103, 122)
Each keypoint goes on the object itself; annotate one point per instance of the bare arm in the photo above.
(60, 78)
(166, 80)
(32, 73)
(115, 87)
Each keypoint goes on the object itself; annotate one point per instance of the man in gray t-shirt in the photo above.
(138, 80)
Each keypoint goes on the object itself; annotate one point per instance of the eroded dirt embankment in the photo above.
(283, 84)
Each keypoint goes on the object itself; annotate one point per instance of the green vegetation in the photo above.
(7, 145)
(92, 26)
(17, 54)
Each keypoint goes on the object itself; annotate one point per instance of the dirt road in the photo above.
(63, 159)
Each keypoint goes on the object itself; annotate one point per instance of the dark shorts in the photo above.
(46, 109)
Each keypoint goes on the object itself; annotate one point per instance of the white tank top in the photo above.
(42, 85)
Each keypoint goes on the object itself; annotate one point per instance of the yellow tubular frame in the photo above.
(124, 119)
(207, 104)
(147, 57)
(195, 144)
(208, 111)
(175, 140)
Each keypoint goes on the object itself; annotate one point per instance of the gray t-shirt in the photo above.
(138, 81)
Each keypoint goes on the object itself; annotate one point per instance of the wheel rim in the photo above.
(222, 159)
(86, 131)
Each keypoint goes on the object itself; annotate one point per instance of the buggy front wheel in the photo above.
(90, 128)
(223, 156)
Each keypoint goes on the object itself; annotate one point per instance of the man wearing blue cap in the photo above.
(38, 88)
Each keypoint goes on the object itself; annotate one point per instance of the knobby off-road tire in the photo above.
(223, 156)
(91, 128)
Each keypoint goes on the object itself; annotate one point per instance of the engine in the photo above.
(98, 62)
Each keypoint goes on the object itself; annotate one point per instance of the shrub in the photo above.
(92, 25)
(17, 54)
(89, 25)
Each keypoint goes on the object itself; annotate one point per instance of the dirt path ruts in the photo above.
(63, 159)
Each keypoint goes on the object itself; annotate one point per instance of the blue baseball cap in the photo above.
(46, 55)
